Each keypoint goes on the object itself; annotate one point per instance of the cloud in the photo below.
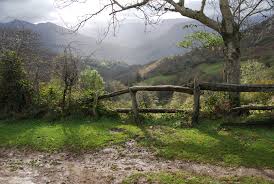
(28, 10)
(45, 11)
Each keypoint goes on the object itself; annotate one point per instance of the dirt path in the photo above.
(110, 165)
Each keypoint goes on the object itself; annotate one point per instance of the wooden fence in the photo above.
(195, 90)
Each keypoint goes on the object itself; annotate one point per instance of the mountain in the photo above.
(54, 38)
(257, 43)
(132, 44)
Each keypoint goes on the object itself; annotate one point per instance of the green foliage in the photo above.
(91, 82)
(147, 99)
(211, 69)
(15, 90)
(160, 80)
(188, 178)
(215, 103)
(180, 100)
(91, 86)
(254, 72)
(201, 38)
(51, 93)
(50, 99)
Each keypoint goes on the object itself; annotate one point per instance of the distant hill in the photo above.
(131, 45)
(258, 43)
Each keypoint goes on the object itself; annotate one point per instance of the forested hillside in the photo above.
(146, 43)
(258, 44)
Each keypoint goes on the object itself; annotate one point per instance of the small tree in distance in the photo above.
(92, 85)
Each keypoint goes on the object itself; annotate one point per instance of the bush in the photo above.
(47, 102)
(91, 83)
(147, 99)
(91, 87)
(216, 103)
(254, 72)
(15, 89)
(179, 100)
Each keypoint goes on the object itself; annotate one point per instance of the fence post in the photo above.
(134, 106)
(196, 105)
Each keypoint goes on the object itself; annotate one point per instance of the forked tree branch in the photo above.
(197, 15)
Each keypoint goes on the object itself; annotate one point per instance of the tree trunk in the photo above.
(94, 106)
(64, 98)
(232, 70)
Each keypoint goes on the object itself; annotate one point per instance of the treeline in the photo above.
(35, 82)
(68, 90)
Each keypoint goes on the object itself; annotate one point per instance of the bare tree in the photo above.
(68, 66)
(232, 16)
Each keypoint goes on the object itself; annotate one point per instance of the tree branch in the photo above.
(228, 18)
(123, 8)
(197, 15)
(203, 6)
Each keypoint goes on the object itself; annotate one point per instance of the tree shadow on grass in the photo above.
(20, 134)
(207, 144)
(62, 135)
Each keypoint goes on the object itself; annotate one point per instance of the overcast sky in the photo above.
(46, 10)
(36, 11)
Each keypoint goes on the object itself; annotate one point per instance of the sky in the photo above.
(36, 11)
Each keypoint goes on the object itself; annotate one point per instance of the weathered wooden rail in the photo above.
(195, 90)
(249, 108)
(150, 110)
(237, 87)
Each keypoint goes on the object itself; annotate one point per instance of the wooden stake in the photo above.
(134, 107)
(196, 105)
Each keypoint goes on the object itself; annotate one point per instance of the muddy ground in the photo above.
(109, 165)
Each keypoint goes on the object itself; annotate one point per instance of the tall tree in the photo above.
(232, 18)
(15, 90)
(67, 69)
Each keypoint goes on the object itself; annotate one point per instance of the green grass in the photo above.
(207, 143)
(250, 147)
(160, 79)
(188, 178)
(72, 135)
(211, 69)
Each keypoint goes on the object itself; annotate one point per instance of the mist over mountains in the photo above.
(133, 43)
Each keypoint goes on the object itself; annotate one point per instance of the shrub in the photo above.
(254, 72)
(178, 100)
(49, 104)
(147, 99)
(91, 83)
(91, 86)
(15, 89)
(216, 102)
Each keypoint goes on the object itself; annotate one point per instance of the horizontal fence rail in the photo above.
(116, 93)
(248, 108)
(150, 110)
(163, 88)
(237, 87)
